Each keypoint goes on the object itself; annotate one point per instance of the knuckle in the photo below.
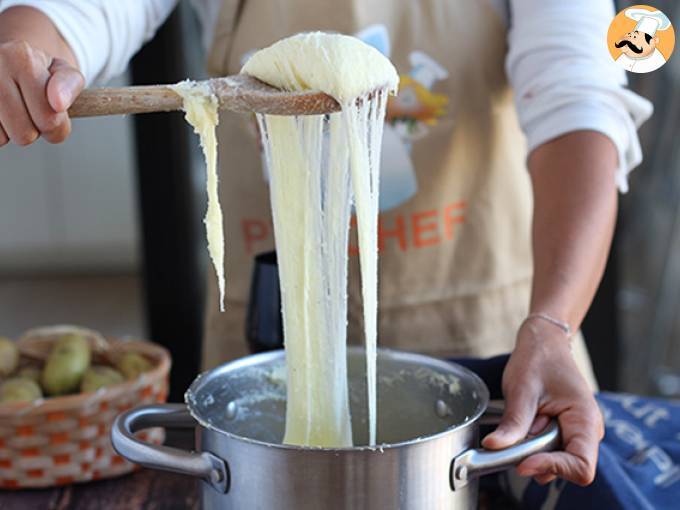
(27, 68)
(49, 122)
(584, 474)
(600, 428)
(516, 386)
(513, 420)
(23, 59)
(60, 135)
(584, 478)
(595, 417)
(26, 138)
(20, 51)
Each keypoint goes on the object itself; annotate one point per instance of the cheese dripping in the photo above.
(201, 112)
(318, 166)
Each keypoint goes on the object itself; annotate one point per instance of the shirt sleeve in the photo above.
(103, 34)
(564, 79)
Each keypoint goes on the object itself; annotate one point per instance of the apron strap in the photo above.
(224, 30)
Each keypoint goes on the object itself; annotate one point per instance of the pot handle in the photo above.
(203, 465)
(473, 463)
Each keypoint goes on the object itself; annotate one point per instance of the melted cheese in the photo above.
(317, 167)
(339, 65)
(201, 109)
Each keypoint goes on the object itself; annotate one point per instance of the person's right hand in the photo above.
(36, 91)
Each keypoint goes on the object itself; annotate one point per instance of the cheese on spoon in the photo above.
(341, 66)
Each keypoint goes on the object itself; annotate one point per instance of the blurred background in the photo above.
(647, 254)
(106, 230)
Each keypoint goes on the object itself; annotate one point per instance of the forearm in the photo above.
(575, 203)
(33, 27)
(102, 34)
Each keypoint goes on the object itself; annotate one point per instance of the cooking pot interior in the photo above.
(418, 396)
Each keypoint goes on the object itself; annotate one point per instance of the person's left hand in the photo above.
(541, 381)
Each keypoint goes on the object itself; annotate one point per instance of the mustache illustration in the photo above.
(625, 42)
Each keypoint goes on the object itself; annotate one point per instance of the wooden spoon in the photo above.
(240, 93)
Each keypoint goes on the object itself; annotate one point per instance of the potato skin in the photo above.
(67, 363)
(19, 389)
(9, 357)
(132, 365)
(100, 376)
(30, 372)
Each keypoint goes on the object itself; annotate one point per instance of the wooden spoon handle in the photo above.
(239, 93)
(124, 100)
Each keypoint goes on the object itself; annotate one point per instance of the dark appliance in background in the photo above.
(264, 322)
(173, 240)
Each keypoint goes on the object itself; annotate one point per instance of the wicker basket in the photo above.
(62, 440)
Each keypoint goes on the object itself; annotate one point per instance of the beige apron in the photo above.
(455, 258)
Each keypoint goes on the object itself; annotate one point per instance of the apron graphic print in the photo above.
(410, 114)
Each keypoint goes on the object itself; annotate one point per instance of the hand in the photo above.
(542, 381)
(35, 94)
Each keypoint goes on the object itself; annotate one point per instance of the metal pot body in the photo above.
(429, 416)
(414, 476)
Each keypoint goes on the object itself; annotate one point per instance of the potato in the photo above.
(132, 365)
(9, 357)
(100, 376)
(66, 364)
(19, 389)
(31, 372)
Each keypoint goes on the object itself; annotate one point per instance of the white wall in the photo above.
(70, 207)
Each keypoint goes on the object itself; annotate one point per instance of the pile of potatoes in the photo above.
(68, 369)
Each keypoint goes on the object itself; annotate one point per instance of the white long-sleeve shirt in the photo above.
(563, 77)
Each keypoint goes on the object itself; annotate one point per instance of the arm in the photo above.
(574, 216)
(581, 124)
(49, 50)
(575, 204)
(39, 81)
(32, 26)
(564, 79)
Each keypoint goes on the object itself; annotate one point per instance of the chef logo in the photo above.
(641, 39)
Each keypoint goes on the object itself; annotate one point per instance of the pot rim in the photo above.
(428, 361)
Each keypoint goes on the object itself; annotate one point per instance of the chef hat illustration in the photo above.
(426, 70)
(649, 22)
(376, 36)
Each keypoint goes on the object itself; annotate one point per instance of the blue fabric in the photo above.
(639, 462)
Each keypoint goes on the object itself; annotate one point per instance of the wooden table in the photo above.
(144, 489)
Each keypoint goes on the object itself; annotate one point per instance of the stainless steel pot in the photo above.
(429, 415)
